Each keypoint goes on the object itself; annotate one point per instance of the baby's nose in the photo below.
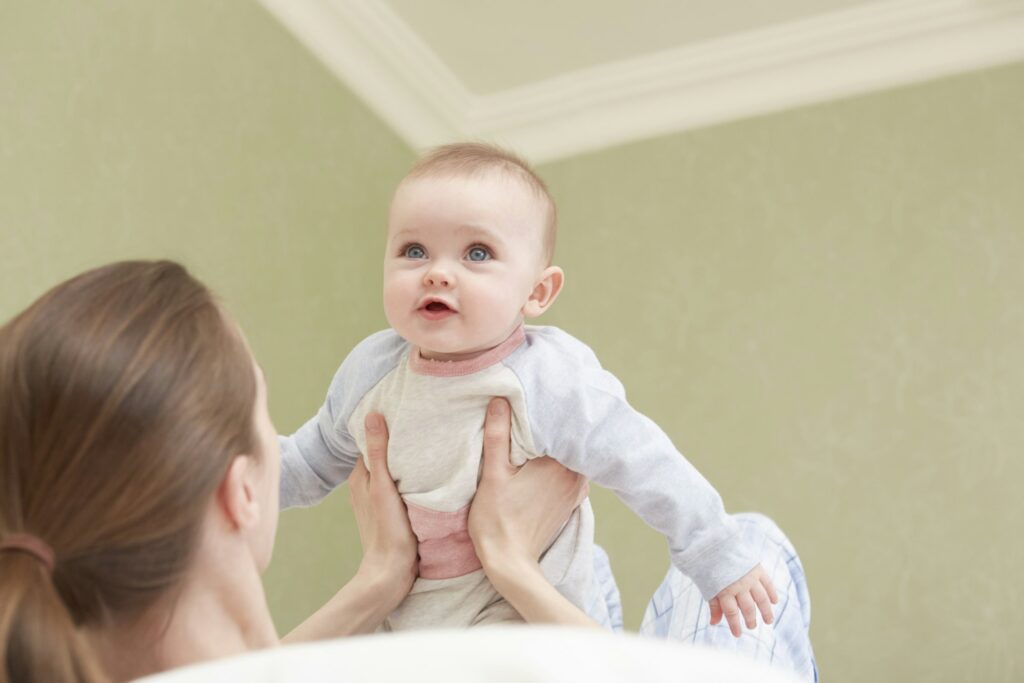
(438, 277)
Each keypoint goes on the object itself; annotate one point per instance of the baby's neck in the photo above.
(458, 364)
(451, 357)
(468, 355)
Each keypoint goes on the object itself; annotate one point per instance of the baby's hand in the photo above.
(755, 591)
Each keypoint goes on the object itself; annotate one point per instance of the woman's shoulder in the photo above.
(526, 653)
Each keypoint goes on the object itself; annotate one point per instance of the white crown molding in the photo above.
(867, 48)
(384, 62)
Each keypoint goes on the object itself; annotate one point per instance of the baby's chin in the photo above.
(449, 344)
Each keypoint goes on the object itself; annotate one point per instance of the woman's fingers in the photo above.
(497, 430)
(360, 475)
(389, 545)
(517, 511)
(377, 446)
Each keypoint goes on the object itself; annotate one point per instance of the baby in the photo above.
(471, 233)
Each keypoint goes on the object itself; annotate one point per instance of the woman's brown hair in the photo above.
(124, 394)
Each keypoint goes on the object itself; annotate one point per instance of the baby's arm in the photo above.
(579, 415)
(654, 479)
(318, 457)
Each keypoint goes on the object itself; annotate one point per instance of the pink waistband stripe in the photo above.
(446, 550)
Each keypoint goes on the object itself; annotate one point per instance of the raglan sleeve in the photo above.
(579, 416)
(320, 455)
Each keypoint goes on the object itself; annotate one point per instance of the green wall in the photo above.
(824, 310)
(821, 307)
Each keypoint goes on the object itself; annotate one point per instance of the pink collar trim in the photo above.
(458, 368)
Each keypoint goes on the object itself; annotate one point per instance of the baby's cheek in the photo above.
(394, 299)
(397, 286)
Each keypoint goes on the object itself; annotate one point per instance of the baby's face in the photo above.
(463, 256)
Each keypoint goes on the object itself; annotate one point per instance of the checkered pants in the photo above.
(678, 612)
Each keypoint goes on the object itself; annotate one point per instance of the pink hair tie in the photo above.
(33, 545)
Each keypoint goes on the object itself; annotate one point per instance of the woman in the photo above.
(138, 491)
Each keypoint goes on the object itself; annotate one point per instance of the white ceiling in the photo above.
(491, 45)
(562, 77)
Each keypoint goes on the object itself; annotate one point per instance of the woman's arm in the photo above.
(514, 517)
(389, 564)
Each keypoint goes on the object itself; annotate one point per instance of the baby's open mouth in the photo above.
(437, 306)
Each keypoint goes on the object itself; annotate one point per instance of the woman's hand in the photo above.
(515, 515)
(389, 565)
(517, 511)
(389, 546)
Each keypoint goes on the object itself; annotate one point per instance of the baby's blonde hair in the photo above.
(468, 159)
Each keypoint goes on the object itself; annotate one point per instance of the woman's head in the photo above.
(125, 396)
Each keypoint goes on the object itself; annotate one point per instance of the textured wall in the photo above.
(824, 309)
(821, 307)
(202, 131)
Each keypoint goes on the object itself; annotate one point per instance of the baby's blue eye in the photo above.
(478, 254)
(414, 251)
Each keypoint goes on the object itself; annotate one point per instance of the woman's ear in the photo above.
(237, 494)
(544, 292)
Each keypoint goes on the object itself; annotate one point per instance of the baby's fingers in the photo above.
(769, 586)
(763, 603)
(716, 611)
(731, 611)
(749, 610)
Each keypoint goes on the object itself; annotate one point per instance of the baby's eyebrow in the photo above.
(469, 229)
(478, 231)
(401, 233)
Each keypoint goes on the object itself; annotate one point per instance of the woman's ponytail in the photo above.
(38, 639)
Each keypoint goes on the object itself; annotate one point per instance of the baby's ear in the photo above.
(544, 292)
